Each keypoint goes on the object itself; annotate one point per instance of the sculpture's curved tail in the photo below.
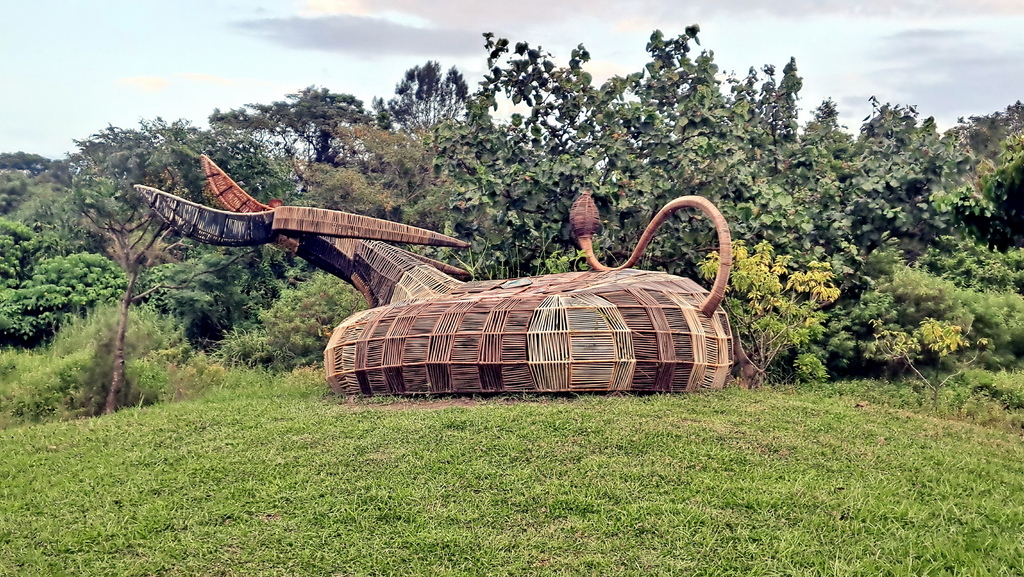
(585, 222)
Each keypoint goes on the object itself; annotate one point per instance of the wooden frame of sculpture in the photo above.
(430, 331)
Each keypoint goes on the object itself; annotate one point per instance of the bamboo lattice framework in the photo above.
(608, 329)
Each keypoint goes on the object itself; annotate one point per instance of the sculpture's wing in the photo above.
(233, 198)
(321, 221)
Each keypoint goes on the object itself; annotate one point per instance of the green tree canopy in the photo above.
(426, 97)
(676, 128)
(303, 127)
(998, 218)
(985, 134)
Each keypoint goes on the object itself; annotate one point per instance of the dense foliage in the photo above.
(675, 128)
(425, 98)
(774, 310)
(294, 329)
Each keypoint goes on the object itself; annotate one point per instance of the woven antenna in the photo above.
(583, 218)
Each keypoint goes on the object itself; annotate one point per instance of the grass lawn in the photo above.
(286, 481)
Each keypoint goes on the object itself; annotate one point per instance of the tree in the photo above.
(30, 164)
(19, 246)
(59, 289)
(998, 219)
(106, 166)
(635, 142)
(932, 338)
(303, 128)
(392, 179)
(166, 155)
(672, 129)
(41, 290)
(425, 98)
(26, 177)
(984, 135)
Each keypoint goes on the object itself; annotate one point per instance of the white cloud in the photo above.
(336, 8)
(647, 14)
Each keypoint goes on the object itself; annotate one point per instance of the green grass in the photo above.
(283, 481)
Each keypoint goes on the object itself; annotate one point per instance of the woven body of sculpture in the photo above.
(428, 331)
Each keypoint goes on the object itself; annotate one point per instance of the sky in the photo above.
(70, 68)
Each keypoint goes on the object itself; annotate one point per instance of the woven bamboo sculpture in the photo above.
(609, 329)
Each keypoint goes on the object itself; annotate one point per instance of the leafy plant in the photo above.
(679, 127)
(904, 296)
(973, 265)
(939, 339)
(425, 97)
(295, 329)
(60, 287)
(996, 217)
(69, 377)
(773, 309)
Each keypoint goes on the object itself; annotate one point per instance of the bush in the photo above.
(37, 386)
(69, 378)
(59, 289)
(972, 265)
(296, 328)
(245, 348)
(902, 298)
(992, 399)
(808, 369)
(1005, 388)
(774, 309)
(193, 378)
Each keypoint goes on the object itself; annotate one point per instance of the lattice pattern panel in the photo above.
(590, 331)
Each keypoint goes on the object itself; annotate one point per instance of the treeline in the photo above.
(917, 232)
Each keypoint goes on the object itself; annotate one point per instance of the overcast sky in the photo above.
(69, 68)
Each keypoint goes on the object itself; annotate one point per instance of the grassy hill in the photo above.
(281, 480)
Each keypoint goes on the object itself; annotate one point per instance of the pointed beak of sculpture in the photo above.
(224, 228)
(209, 225)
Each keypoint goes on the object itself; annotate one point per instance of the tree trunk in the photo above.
(117, 379)
(749, 375)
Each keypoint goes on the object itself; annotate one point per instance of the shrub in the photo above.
(972, 265)
(297, 326)
(245, 348)
(774, 309)
(904, 297)
(808, 369)
(1004, 387)
(60, 288)
(193, 378)
(69, 377)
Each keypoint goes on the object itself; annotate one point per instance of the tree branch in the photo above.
(139, 297)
